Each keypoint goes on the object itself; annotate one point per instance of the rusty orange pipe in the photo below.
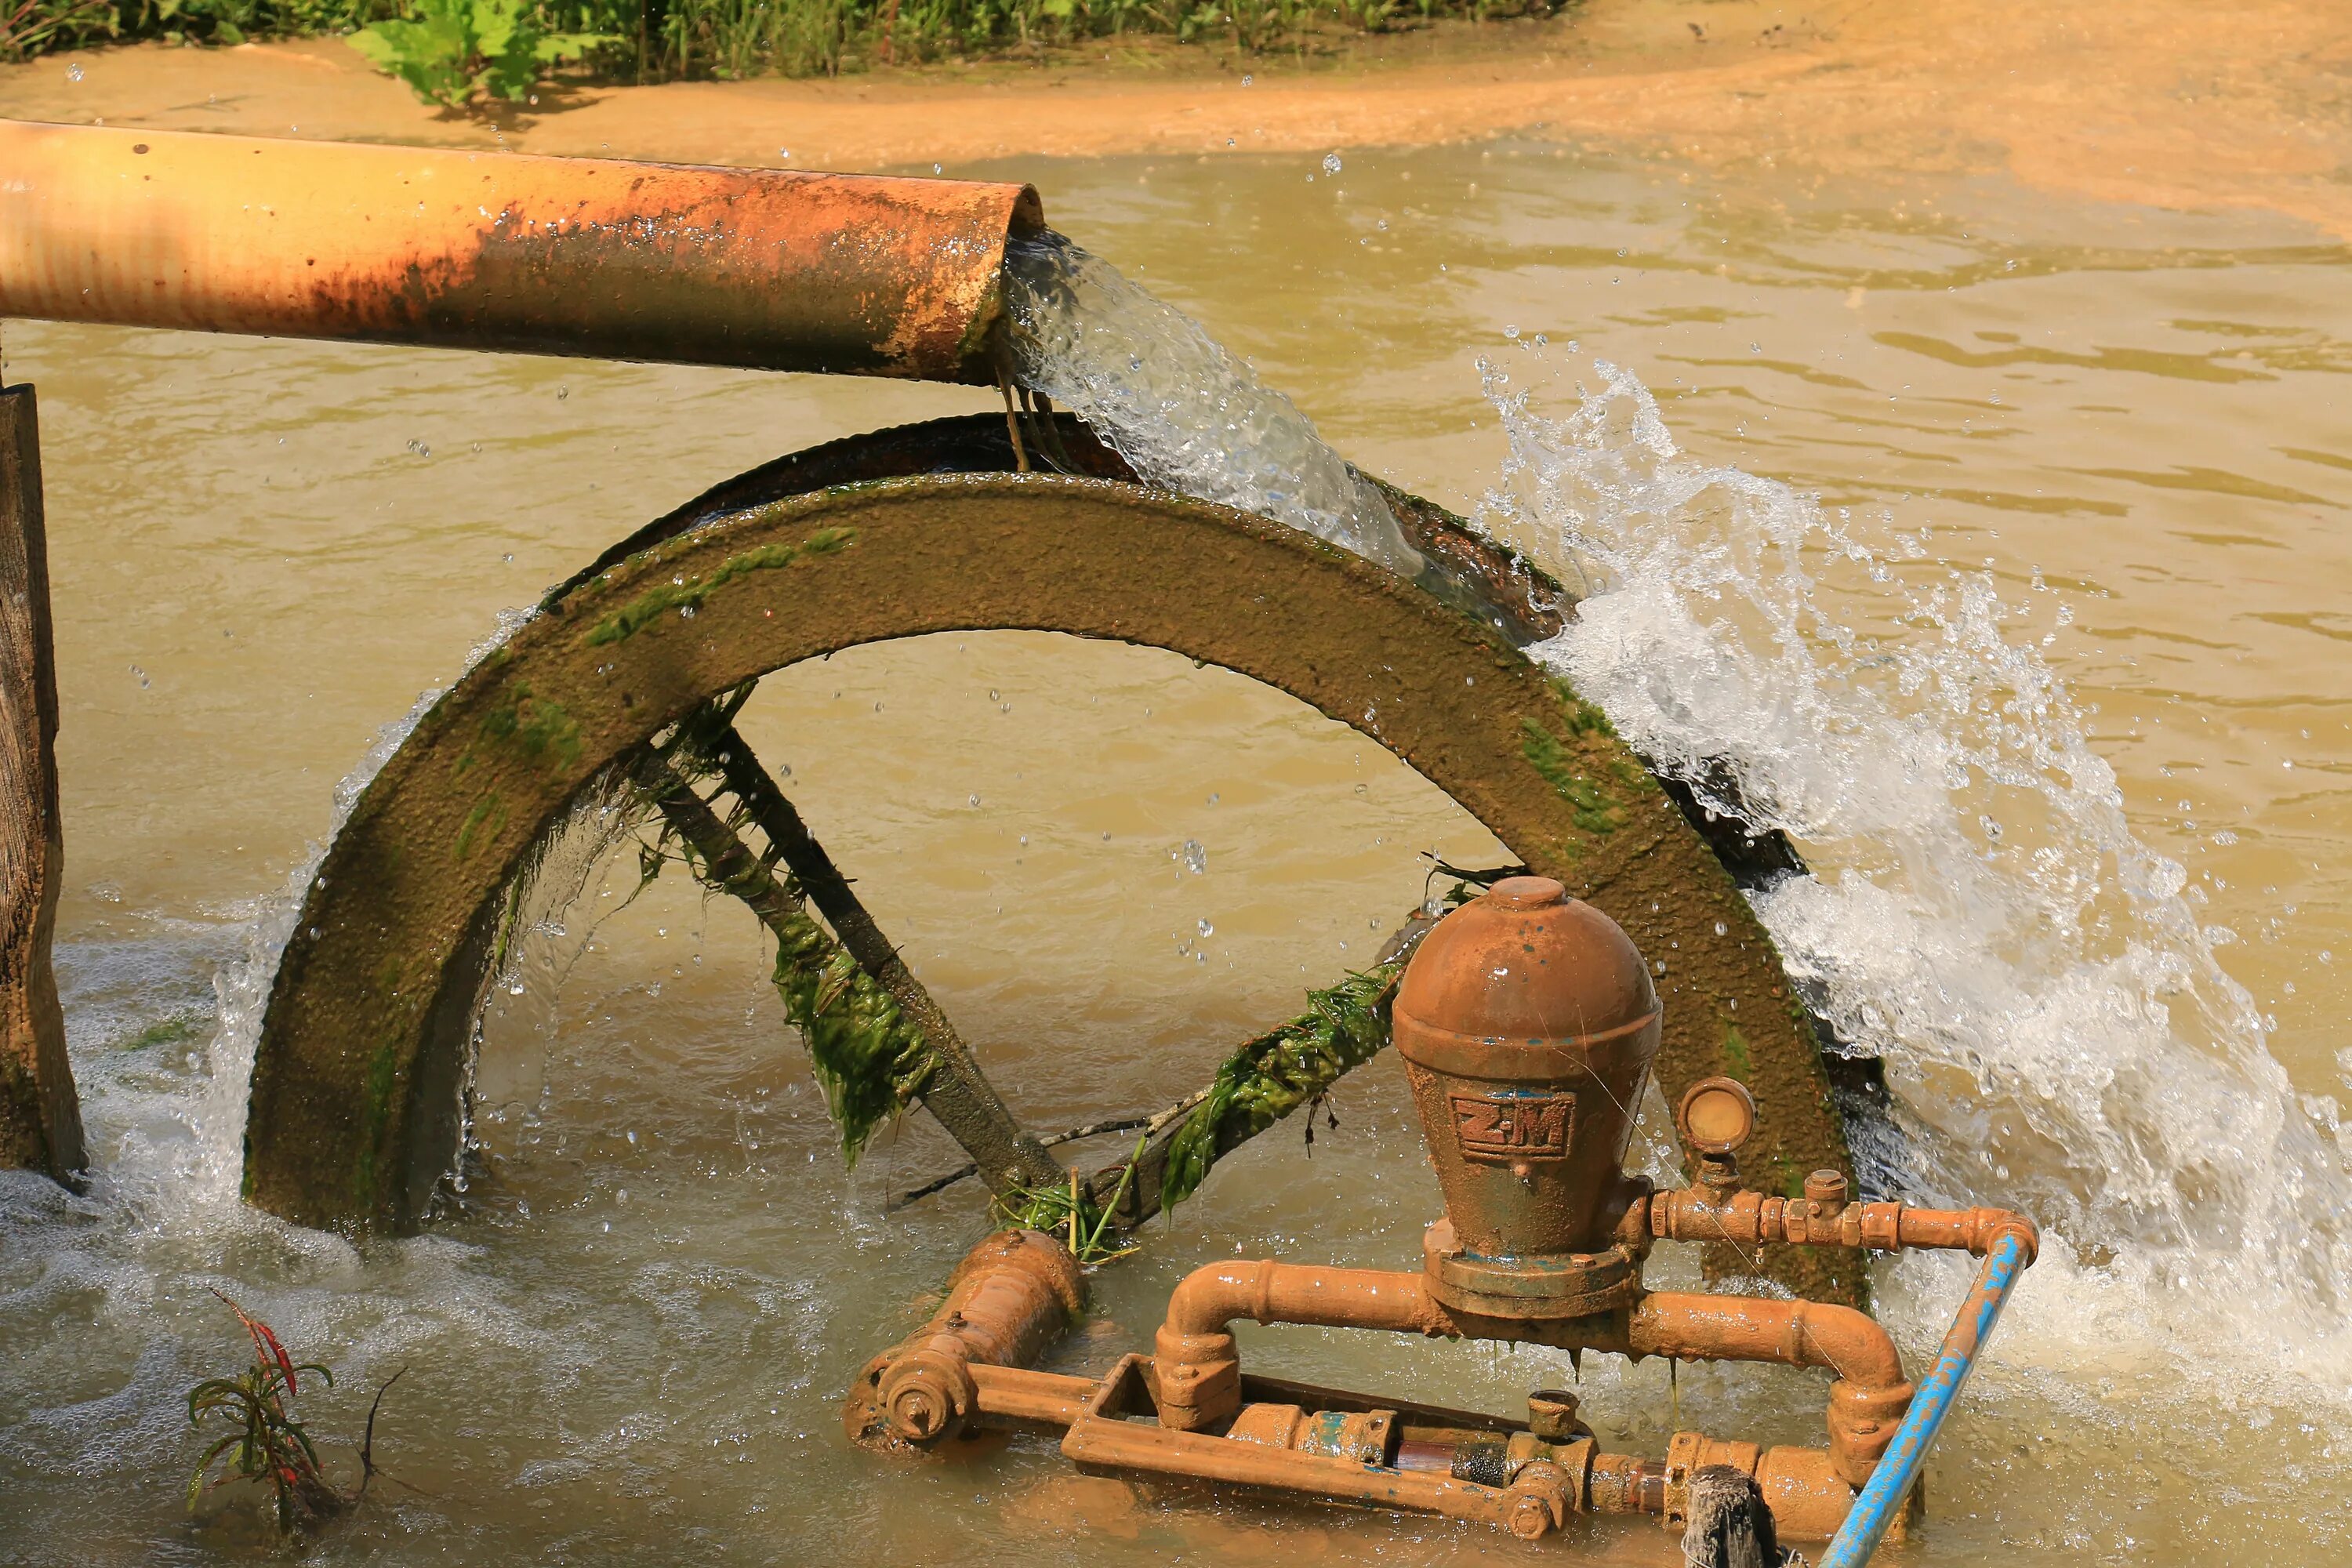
(1745, 1328)
(1196, 1366)
(1216, 1293)
(1867, 1399)
(1196, 1369)
(1750, 1219)
(1008, 1300)
(759, 268)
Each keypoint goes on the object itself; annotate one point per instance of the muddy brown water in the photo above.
(631, 1344)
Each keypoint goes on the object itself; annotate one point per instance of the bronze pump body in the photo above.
(1528, 1027)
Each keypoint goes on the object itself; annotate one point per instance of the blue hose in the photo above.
(1881, 1499)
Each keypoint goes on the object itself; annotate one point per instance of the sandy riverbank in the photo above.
(2180, 103)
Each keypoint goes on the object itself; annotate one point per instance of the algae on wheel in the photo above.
(360, 1074)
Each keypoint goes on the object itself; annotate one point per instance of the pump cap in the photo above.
(1523, 963)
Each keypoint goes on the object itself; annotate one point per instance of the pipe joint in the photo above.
(1009, 1300)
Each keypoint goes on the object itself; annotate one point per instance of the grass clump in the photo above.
(1071, 1213)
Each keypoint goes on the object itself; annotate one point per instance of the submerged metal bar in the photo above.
(760, 268)
(1882, 1498)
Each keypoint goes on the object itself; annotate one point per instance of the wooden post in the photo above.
(41, 1119)
(1729, 1525)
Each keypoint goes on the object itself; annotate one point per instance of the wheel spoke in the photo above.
(952, 1085)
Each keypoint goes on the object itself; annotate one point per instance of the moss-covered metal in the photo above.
(358, 1080)
(1294, 1064)
(869, 1057)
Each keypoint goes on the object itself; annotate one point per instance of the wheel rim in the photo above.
(357, 1086)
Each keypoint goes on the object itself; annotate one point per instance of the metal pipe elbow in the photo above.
(1196, 1369)
(1740, 1328)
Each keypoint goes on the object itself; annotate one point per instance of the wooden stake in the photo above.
(40, 1118)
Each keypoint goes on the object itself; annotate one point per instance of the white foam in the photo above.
(2054, 1021)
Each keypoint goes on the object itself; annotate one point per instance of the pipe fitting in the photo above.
(1196, 1369)
(927, 1394)
(1822, 1218)
(1861, 1423)
(1008, 1300)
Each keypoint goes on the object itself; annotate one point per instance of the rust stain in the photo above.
(764, 269)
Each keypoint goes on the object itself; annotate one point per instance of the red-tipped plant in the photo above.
(266, 1445)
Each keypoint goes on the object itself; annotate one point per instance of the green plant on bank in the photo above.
(457, 51)
(28, 27)
(265, 1444)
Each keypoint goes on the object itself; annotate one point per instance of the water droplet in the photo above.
(632, 1143)
(1331, 162)
(419, 448)
(1248, 80)
(1511, 332)
(561, 393)
(1193, 855)
(1722, 930)
(73, 71)
(974, 801)
(935, 169)
(1206, 928)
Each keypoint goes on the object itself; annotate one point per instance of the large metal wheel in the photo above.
(358, 1083)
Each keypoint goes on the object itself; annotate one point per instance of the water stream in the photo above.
(1970, 587)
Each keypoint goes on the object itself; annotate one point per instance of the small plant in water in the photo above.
(265, 1444)
(1071, 1213)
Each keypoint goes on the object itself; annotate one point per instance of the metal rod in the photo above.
(769, 269)
(1882, 1498)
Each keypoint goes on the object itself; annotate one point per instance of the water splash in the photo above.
(1184, 412)
(2059, 1031)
